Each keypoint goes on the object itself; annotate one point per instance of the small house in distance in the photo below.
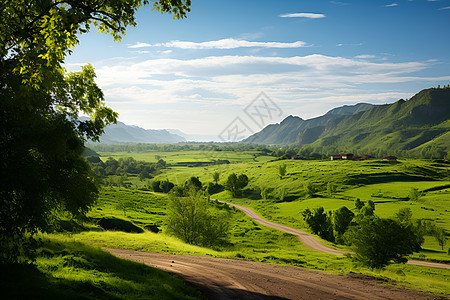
(349, 156)
(342, 156)
(389, 158)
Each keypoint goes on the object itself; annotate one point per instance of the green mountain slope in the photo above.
(295, 129)
(417, 127)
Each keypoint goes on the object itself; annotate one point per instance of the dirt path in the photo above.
(223, 278)
(311, 242)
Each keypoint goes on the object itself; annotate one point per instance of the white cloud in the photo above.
(357, 44)
(339, 3)
(140, 45)
(447, 7)
(303, 15)
(364, 56)
(229, 43)
(391, 5)
(216, 88)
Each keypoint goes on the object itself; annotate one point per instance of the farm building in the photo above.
(390, 158)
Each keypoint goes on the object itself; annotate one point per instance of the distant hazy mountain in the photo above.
(121, 133)
(421, 124)
(195, 137)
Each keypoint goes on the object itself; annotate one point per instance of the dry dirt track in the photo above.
(311, 242)
(223, 278)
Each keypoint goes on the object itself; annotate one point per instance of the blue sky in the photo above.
(200, 73)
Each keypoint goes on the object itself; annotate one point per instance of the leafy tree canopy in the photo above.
(376, 241)
(41, 138)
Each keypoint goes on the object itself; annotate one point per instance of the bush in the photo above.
(191, 220)
(163, 186)
(310, 189)
(377, 241)
(319, 222)
(235, 183)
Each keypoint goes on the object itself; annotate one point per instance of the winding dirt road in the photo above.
(224, 278)
(311, 242)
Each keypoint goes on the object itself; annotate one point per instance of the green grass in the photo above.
(384, 183)
(387, 184)
(248, 240)
(189, 156)
(66, 269)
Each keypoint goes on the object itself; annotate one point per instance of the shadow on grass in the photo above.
(432, 251)
(71, 270)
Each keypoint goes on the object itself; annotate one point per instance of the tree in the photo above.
(282, 194)
(404, 216)
(342, 218)
(41, 137)
(319, 222)
(216, 176)
(414, 194)
(310, 189)
(367, 210)
(440, 236)
(235, 183)
(193, 183)
(359, 204)
(331, 189)
(282, 170)
(190, 219)
(165, 186)
(377, 241)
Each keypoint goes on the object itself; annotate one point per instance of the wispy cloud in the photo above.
(339, 3)
(442, 8)
(364, 56)
(303, 15)
(243, 76)
(391, 5)
(229, 43)
(353, 45)
(211, 88)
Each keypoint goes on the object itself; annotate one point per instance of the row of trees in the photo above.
(124, 166)
(234, 183)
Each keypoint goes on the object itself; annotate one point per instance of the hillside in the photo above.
(293, 128)
(417, 127)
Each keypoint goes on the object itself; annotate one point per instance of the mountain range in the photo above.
(420, 125)
(122, 133)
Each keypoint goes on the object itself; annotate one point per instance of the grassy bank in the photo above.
(68, 269)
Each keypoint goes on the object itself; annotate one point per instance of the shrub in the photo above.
(377, 241)
(235, 183)
(310, 189)
(191, 220)
(319, 222)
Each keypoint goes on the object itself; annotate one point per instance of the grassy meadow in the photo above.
(247, 240)
(74, 257)
(387, 184)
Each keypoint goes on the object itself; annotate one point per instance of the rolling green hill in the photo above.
(417, 127)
